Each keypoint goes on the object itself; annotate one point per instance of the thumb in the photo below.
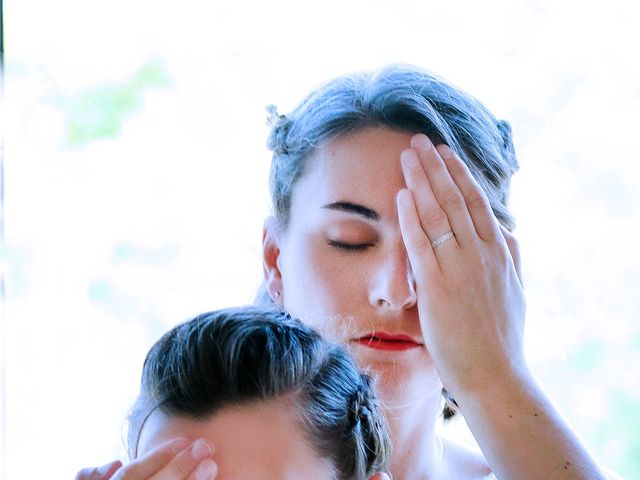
(105, 472)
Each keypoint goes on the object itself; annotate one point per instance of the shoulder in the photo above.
(461, 461)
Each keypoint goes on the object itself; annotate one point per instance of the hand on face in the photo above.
(178, 459)
(470, 299)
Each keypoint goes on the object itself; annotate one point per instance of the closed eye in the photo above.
(349, 246)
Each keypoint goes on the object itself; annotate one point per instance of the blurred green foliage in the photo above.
(588, 357)
(100, 290)
(621, 432)
(99, 111)
(134, 253)
(595, 394)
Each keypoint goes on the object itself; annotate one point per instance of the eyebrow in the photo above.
(349, 207)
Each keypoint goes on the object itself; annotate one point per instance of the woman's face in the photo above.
(341, 265)
(258, 440)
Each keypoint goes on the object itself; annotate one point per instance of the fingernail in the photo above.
(207, 470)
(408, 158)
(200, 450)
(421, 141)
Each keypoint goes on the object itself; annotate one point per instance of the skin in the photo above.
(265, 432)
(179, 458)
(462, 301)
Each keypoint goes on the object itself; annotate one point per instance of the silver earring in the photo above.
(277, 294)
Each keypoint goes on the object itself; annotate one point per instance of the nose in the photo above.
(393, 284)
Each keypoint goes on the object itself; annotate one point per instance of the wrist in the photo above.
(503, 387)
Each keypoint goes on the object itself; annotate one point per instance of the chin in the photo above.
(401, 378)
(397, 394)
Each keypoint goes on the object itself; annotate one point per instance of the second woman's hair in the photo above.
(242, 355)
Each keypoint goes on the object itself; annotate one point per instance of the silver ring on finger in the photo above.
(440, 240)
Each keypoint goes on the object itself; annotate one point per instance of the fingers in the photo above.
(419, 250)
(430, 215)
(514, 249)
(484, 221)
(104, 472)
(444, 196)
(446, 192)
(208, 470)
(152, 462)
(176, 459)
(194, 460)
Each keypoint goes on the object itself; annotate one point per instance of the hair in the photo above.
(401, 98)
(238, 356)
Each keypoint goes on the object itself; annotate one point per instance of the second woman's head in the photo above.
(274, 399)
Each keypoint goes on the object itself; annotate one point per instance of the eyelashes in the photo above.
(350, 247)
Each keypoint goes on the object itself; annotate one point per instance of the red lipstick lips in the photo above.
(389, 342)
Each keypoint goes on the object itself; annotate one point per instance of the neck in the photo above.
(417, 450)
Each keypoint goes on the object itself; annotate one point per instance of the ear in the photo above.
(379, 476)
(270, 256)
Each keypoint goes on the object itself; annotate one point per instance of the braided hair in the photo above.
(242, 355)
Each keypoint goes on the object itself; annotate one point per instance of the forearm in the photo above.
(523, 436)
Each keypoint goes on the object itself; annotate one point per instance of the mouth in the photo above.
(388, 342)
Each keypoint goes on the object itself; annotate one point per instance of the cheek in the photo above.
(319, 282)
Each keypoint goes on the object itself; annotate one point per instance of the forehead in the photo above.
(363, 167)
(259, 440)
